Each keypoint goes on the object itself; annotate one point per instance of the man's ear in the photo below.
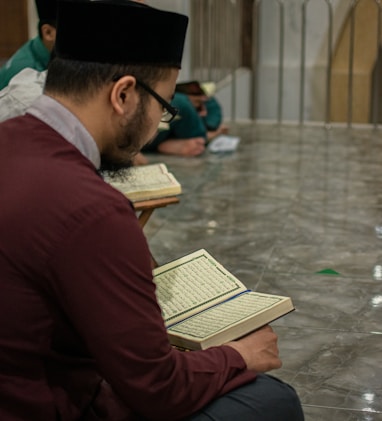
(123, 95)
(48, 33)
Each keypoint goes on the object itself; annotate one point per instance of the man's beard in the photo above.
(129, 142)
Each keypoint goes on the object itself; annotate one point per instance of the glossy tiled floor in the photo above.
(293, 211)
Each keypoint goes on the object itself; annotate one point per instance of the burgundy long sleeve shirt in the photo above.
(77, 299)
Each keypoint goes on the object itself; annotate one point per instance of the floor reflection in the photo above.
(296, 211)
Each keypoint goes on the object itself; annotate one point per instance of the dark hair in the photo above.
(81, 80)
(45, 22)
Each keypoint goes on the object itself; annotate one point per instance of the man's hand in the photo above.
(259, 350)
(183, 147)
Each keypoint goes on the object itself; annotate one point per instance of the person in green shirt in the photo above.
(199, 120)
(36, 52)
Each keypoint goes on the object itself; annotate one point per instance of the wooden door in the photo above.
(13, 26)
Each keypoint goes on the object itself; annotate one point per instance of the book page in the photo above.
(224, 143)
(146, 182)
(191, 284)
(230, 313)
(131, 173)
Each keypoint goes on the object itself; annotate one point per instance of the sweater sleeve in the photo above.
(102, 274)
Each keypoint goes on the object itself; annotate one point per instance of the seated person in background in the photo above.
(199, 120)
(36, 52)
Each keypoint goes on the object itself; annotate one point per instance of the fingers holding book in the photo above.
(259, 350)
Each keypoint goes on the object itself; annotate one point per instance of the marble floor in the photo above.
(294, 212)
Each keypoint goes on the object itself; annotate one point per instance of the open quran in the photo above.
(145, 182)
(204, 305)
(224, 143)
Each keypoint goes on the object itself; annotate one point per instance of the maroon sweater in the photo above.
(77, 301)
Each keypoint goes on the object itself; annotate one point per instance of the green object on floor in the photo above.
(327, 272)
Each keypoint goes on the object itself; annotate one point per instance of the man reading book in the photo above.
(82, 337)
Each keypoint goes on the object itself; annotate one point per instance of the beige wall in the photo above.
(364, 60)
(32, 18)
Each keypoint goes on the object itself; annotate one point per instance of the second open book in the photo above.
(204, 305)
(145, 182)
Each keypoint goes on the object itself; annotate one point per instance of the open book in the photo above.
(145, 182)
(224, 143)
(204, 305)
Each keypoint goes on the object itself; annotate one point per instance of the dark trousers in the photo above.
(265, 399)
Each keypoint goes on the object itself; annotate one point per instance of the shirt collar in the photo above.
(67, 125)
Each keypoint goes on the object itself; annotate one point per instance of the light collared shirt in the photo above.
(22, 90)
(55, 115)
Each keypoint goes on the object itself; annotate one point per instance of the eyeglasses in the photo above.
(169, 112)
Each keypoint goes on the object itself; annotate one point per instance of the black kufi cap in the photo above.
(46, 10)
(119, 31)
